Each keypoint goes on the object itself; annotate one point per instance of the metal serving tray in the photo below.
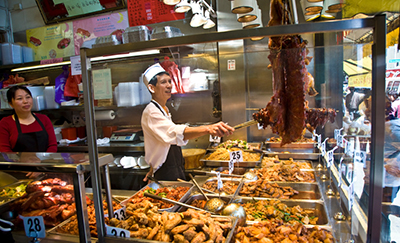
(155, 186)
(294, 182)
(257, 145)
(294, 155)
(304, 146)
(316, 206)
(223, 179)
(15, 184)
(225, 163)
(236, 170)
(307, 191)
(297, 161)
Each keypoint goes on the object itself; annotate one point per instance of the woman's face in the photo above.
(22, 101)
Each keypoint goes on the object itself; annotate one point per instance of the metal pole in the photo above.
(81, 207)
(108, 192)
(92, 144)
(378, 129)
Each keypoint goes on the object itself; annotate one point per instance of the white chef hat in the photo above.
(152, 71)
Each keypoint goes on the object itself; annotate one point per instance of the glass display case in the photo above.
(51, 186)
(347, 190)
(351, 200)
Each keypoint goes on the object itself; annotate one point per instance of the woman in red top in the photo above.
(25, 131)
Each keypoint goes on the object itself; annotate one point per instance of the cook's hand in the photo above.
(221, 129)
(150, 173)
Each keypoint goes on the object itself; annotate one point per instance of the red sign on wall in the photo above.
(143, 12)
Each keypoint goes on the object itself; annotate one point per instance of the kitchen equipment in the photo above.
(156, 181)
(126, 135)
(245, 124)
(172, 201)
(192, 157)
(213, 205)
(237, 211)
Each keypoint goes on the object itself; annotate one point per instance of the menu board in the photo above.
(143, 12)
(91, 28)
(54, 41)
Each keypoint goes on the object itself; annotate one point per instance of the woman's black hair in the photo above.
(11, 92)
(153, 80)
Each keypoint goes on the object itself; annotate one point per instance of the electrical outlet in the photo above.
(76, 119)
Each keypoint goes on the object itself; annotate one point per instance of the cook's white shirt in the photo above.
(159, 133)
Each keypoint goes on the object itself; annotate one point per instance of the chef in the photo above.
(162, 137)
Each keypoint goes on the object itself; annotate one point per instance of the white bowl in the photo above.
(125, 161)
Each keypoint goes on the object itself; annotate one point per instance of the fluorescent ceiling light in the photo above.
(93, 59)
(41, 66)
(130, 54)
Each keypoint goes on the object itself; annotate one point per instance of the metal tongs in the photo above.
(6, 226)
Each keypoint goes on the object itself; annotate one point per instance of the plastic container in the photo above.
(49, 94)
(11, 53)
(81, 132)
(27, 53)
(165, 32)
(69, 133)
(136, 33)
(108, 130)
(128, 94)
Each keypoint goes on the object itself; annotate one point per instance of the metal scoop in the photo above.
(174, 202)
(213, 205)
(250, 176)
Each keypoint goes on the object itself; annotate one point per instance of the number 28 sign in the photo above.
(34, 227)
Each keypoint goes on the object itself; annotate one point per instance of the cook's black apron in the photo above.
(32, 141)
(174, 165)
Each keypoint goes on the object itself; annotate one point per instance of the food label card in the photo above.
(117, 232)
(34, 226)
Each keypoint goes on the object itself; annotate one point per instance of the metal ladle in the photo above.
(234, 209)
(214, 205)
(173, 202)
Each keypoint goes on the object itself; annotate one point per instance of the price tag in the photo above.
(117, 232)
(351, 195)
(342, 170)
(215, 139)
(361, 157)
(120, 214)
(337, 133)
(349, 174)
(34, 226)
(323, 147)
(339, 141)
(329, 157)
(220, 185)
(236, 156)
(345, 145)
(350, 148)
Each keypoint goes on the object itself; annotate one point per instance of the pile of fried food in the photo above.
(223, 154)
(276, 163)
(264, 188)
(229, 187)
(275, 209)
(51, 198)
(72, 226)
(300, 140)
(173, 193)
(285, 172)
(145, 222)
(273, 231)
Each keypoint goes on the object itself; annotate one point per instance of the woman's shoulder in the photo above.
(7, 119)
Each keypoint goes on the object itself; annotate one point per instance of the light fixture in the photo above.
(242, 6)
(311, 10)
(183, 6)
(171, 2)
(254, 24)
(329, 13)
(198, 18)
(130, 54)
(209, 24)
(247, 17)
(93, 59)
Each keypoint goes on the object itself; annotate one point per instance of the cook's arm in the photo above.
(219, 129)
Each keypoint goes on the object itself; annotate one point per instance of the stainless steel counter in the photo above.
(107, 148)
